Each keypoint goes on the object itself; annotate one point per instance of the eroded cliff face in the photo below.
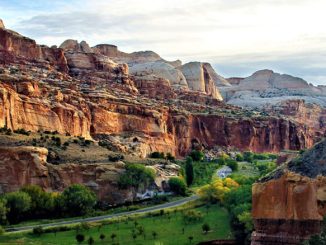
(86, 93)
(289, 205)
(26, 165)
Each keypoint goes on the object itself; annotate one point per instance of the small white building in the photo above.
(224, 172)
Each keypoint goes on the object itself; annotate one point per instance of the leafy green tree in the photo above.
(197, 155)
(154, 234)
(239, 157)
(136, 175)
(1, 230)
(102, 237)
(177, 185)
(232, 164)
(42, 203)
(80, 238)
(78, 199)
(113, 236)
(248, 156)
(190, 238)
(189, 171)
(18, 204)
(91, 241)
(206, 228)
(3, 211)
(246, 218)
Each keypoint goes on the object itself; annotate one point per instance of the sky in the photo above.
(238, 37)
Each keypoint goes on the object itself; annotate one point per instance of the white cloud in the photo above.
(213, 30)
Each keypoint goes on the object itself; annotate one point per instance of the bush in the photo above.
(22, 131)
(170, 157)
(239, 157)
(136, 175)
(77, 200)
(206, 228)
(233, 164)
(157, 154)
(80, 238)
(116, 157)
(38, 230)
(197, 155)
(177, 185)
(248, 156)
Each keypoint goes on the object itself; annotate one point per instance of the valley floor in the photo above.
(169, 229)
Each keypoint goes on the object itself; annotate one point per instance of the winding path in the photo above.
(108, 216)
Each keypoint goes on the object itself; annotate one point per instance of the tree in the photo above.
(197, 155)
(246, 218)
(233, 164)
(3, 211)
(18, 204)
(80, 238)
(78, 199)
(216, 190)
(154, 234)
(190, 238)
(189, 171)
(91, 241)
(239, 157)
(177, 185)
(248, 156)
(42, 203)
(136, 175)
(113, 236)
(206, 228)
(102, 237)
(38, 230)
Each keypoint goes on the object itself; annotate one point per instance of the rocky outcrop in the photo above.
(289, 204)
(267, 87)
(152, 71)
(21, 166)
(2, 26)
(26, 48)
(199, 77)
(20, 111)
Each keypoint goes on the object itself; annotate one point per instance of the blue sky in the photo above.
(237, 36)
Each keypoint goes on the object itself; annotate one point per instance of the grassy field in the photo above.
(169, 231)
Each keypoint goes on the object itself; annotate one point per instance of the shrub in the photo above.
(22, 131)
(116, 157)
(80, 238)
(136, 175)
(157, 154)
(197, 155)
(38, 230)
(177, 185)
(239, 157)
(248, 156)
(170, 157)
(206, 228)
(233, 164)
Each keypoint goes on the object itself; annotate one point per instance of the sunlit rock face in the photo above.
(289, 205)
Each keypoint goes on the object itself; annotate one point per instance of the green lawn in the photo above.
(169, 231)
(247, 169)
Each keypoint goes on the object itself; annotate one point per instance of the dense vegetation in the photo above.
(136, 175)
(31, 202)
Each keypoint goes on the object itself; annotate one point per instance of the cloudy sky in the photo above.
(237, 36)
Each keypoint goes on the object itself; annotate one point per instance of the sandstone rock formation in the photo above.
(2, 26)
(288, 205)
(267, 87)
(25, 165)
(200, 78)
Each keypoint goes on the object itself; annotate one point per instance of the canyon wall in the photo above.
(289, 204)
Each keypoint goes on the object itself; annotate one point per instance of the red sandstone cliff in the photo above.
(289, 205)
